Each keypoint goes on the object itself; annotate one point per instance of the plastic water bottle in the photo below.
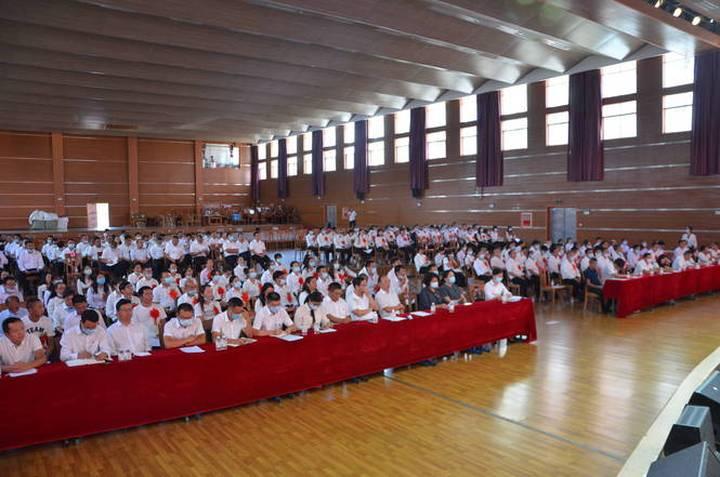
(451, 307)
(433, 308)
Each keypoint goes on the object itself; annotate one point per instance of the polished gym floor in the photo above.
(574, 403)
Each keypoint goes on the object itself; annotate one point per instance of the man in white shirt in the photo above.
(682, 262)
(36, 323)
(647, 264)
(359, 301)
(111, 260)
(19, 351)
(232, 322)
(257, 249)
(399, 281)
(272, 317)
(334, 306)
(124, 290)
(29, 263)
(185, 329)
(494, 289)
(13, 308)
(388, 302)
(690, 237)
(174, 252)
(147, 314)
(86, 340)
(80, 305)
(167, 293)
(124, 334)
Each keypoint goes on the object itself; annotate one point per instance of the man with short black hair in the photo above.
(232, 322)
(19, 351)
(272, 317)
(124, 335)
(185, 329)
(85, 340)
(36, 323)
(334, 306)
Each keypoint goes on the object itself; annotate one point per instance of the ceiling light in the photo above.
(696, 21)
(677, 12)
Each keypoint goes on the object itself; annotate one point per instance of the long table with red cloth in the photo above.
(61, 403)
(639, 293)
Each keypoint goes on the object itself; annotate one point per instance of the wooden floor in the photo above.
(575, 403)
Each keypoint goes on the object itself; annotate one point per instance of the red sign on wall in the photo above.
(526, 220)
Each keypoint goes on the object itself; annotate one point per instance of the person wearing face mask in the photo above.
(647, 264)
(83, 284)
(388, 302)
(86, 340)
(62, 311)
(19, 351)
(184, 330)
(80, 305)
(690, 238)
(312, 312)
(287, 298)
(295, 280)
(147, 314)
(360, 302)
(207, 272)
(125, 334)
(10, 288)
(124, 290)
(495, 289)
(98, 292)
(324, 279)
(430, 293)
(147, 279)
(450, 291)
(190, 294)
(272, 317)
(240, 270)
(167, 293)
(252, 285)
(233, 323)
(207, 306)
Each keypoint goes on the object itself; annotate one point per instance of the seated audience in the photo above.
(19, 351)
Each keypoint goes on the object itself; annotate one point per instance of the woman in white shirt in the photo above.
(207, 307)
(311, 312)
(98, 293)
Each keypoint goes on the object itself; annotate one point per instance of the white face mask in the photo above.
(434, 284)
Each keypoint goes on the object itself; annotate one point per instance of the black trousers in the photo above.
(576, 286)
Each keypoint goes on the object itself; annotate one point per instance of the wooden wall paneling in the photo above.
(58, 172)
(133, 186)
(166, 176)
(198, 174)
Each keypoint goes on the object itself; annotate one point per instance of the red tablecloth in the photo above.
(638, 293)
(60, 402)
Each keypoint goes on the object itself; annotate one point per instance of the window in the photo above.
(329, 136)
(619, 80)
(557, 91)
(619, 120)
(307, 142)
(291, 145)
(274, 149)
(468, 109)
(468, 141)
(307, 164)
(556, 131)
(402, 122)
(262, 170)
(402, 150)
(678, 70)
(435, 145)
(292, 163)
(513, 100)
(376, 153)
(349, 157)
(262, 152)
(349, 133)
(329, 163)
(274, 169)
(435, 115)
(514, 134)
(677, 112)
(376, 127)
(222, 155)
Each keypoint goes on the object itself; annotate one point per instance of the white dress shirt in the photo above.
(266, 320)
(495, 290)
(25, 353)
(74, 341)
(30, 261)
(228, 327)
(304, 319)
(132, 337)
(174, 329)
(142, 316)
(386, 299)
(338, 309)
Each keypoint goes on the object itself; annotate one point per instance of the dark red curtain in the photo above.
(318, 177)
(361, 173)
(282, 183)
(705, 142)
(419, 174)
(489, 161)
(254, 177)
(585, 159)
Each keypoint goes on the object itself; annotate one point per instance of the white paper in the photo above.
(327, 330)
(192, 349)
(467, 304)
(141, 354)
(421, 313)
(289, 337)
(513, 299)
(82, 362)
(394, 318)
(23, 373)
(245, 341)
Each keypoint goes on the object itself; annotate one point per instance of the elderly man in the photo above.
(19, 351)
(388, 302)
